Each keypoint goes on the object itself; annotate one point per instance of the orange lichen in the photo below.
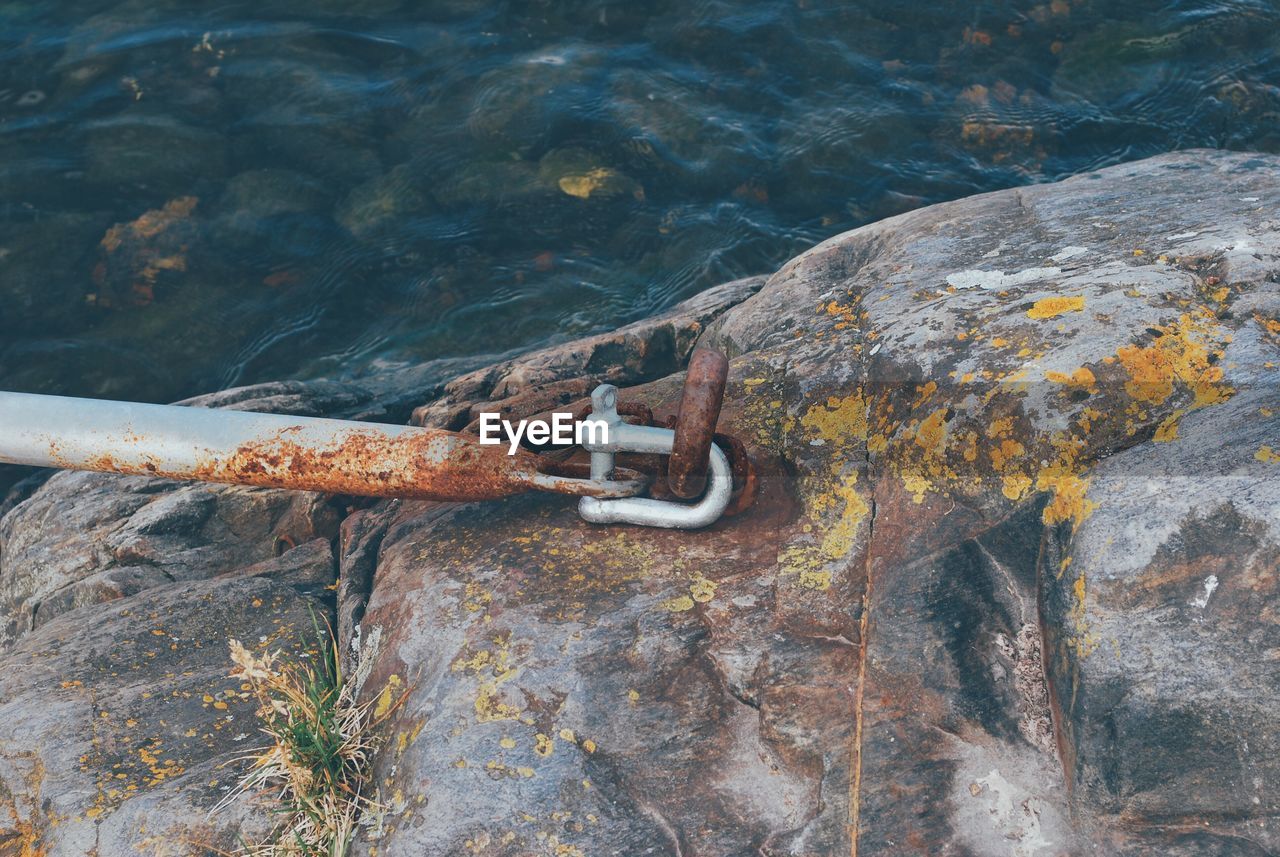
(151, 223)
(924, 391)
(1082, 378)
(1069, 501)
(846, 315)
(1015, 485)
(840, 420)
(1004, 452)
(1186, 352)
(932, 434)
(1168, 429)
(1055, 306)
(1083, 641)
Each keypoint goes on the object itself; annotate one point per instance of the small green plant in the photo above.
(315, 765)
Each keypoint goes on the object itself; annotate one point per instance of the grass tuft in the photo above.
(316, 763)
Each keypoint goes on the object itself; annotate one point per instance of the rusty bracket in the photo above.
(695, 427)
(624, 437)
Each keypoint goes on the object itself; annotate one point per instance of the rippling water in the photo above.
(195, 196)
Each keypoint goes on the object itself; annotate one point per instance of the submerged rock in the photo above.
(378, 205)
(1009, 587)
(154, 152)
(43, 279)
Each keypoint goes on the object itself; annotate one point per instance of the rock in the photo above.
(582, 175)
(43, 277)
(118, 597)
(154, 152)
(98, 43)
(260, 194)
(272, 208)
(327, 125)
(561, 374)
(1008, 588)
(119, 723)
(383, 203)
(1162, 610)
(679, 131)
(891, 651)
(108, 538)
(517, 108)
(487, 181)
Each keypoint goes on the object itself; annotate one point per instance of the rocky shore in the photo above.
(1009, 589)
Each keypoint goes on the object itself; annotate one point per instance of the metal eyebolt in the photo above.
(695, 426)
(623, 437)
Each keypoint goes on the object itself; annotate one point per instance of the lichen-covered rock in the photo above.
(118, 595)
(1007, 590)
(120, 727)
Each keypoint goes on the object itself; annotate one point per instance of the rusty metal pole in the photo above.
(275, 451)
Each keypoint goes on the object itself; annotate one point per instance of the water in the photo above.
(194, 196)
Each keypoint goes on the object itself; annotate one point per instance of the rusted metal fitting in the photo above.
(624, 437)
(745, 481)
(696, 422)
(746, 485)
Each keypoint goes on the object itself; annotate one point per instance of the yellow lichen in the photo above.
(817, 580)
(701, 589)
(387, 698)
(678, 604)
(932, 434)
(1267, 454)
(1055, 306)
(837, 510)
(492, 669)
(490, 708)
(585, 184)
(1168, 429)
(838, 540)
(1082, 378)
(1186, 353)
(917, 485)
(839, 420)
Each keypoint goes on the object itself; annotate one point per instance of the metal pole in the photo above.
(272, 450)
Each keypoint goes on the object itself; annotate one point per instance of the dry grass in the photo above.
(315, 766)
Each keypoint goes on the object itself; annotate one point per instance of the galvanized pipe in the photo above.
(273, 451)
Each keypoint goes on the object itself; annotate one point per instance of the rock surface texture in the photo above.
(1009, 589)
